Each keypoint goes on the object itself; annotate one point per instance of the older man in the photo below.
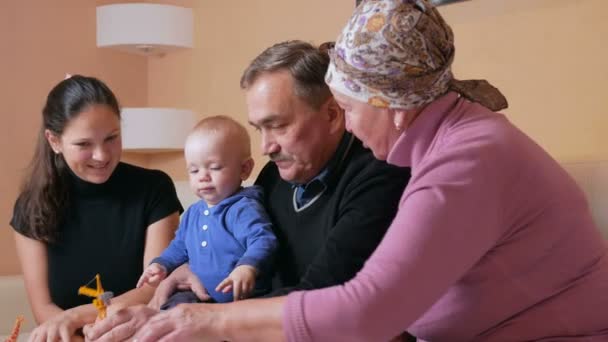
(330, 200)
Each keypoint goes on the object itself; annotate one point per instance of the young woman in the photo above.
(82, 212)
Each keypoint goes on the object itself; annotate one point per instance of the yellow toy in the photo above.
(101, 298)
(15, 333)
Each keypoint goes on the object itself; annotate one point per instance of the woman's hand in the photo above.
(185, 322)
(121, 326)
(60, 327)
(181, 279)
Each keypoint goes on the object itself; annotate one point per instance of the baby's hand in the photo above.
(152, 275)
(241, 281)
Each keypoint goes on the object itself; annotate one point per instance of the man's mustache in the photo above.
(278, 157)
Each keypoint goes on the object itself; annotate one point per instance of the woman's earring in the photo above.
(399, 121)
(398, 124)
(57, 158)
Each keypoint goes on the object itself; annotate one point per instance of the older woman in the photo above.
(493, 240)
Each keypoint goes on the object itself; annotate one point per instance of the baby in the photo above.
(226, 237)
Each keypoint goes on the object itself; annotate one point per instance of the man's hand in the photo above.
(241, 281)
(185, 322)
(153, 275)
(120, 326)
(181, 279)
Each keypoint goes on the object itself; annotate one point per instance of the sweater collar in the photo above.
(82, 187)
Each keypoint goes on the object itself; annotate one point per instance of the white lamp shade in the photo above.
(155, 129)
(144, 28)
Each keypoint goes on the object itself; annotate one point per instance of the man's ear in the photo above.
(246, 168)
(335, 115)
(53, 140)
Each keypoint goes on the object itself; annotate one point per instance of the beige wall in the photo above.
(41, 41)
(549, 58)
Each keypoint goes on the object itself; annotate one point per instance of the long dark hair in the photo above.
(42, 204)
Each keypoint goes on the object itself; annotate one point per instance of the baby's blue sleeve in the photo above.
(252, 227)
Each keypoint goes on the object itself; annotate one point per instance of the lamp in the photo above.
(149, 29)
(152, 130)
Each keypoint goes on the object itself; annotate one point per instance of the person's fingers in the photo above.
(36, 336)
(120, 332)
(174, 336)
(245, 290)
(86, 328)
(40, 335)
(162, 293)
(154, 280)
(183, 287)
(154, 303)
(198, 289)
(237, 290)
(52, 335)
(227, 289)
(64, 334)
(221, 286)
(160, 275)
(104, 326)
(242, 292)
(158, 269)
(155, 329)
(141, 280)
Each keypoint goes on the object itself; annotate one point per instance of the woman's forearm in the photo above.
(135, 296)
(83, 314)
(45, 311)
(252, 320)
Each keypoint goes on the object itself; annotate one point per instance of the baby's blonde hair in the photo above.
(230, 130)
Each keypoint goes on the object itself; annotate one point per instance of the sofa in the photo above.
(592, 177)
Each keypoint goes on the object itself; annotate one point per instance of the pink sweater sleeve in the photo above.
(448, 218)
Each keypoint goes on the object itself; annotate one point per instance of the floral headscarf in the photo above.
(398, 54)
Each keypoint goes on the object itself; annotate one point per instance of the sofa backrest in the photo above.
(592, 177)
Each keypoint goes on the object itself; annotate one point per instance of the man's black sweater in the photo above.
(327, 241)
